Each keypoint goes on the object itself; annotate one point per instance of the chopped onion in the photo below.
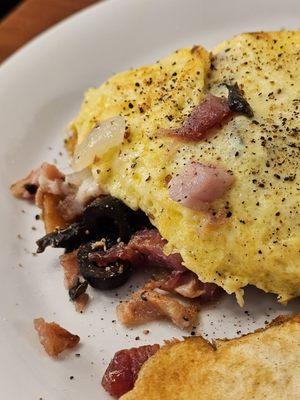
(89, 189)
(76, 178)
(103, 137)
(86, 188)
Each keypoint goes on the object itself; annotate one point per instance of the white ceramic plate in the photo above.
(41, 89)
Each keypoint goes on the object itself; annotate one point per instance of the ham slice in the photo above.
(71, 269)
(149, 305)
(187, 285)
(81, 302)
(211, 112)
(47, 175)
(54, 338)
(145, 248)
(72, 278)
(47, 181)
(199, 185)
(123, 369)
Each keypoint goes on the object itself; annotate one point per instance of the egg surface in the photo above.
(251, 234)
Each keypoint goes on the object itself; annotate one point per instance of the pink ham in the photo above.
(54, 338)
(145, 248)
(47, 179)
(123, 369)
(205, 116)
(149, 305)
(71, 269)
(26, 188)
(199, 185)
(187, 284)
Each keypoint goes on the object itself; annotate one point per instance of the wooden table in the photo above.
(33, 17)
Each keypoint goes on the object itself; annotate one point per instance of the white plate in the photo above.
(41, 89)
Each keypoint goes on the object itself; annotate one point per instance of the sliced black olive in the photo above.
(110, 215)
(69, 238)
(138, 220)
(102, 277)
(78, 289)
(237, 102)
(105, 217)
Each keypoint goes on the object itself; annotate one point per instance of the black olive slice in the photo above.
(139, 220)
(237, 102)
(105, 217)
(78, 289)
(102, 277)
(69, 238)
(108, 214)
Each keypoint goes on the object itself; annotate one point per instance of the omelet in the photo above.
(258, 241)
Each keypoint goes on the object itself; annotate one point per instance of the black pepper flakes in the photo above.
(289, 178)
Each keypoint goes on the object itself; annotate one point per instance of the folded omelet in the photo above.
(258, 240)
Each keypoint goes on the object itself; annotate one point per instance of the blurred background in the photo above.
(22, 20)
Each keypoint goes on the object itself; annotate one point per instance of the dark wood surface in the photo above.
(32, 17)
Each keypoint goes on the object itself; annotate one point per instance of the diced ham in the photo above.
(71, 269)
(71, 278)
(70, 207)
(199, 185)
(187, 285)
(123, 369)
(54, 338)
(51, 216)
(205, 116)
(84, 190)
(145, 248)
(46, 186)
(51, 180)
(26, 188)
(149, 305)
(48, 180)
(81, 302)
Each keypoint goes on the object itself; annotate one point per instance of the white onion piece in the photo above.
(89, 189)
(107, 134)
(76, 178)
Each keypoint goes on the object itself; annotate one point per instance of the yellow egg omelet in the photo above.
(258, 240)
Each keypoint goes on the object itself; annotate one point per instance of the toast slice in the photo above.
(264, 365)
